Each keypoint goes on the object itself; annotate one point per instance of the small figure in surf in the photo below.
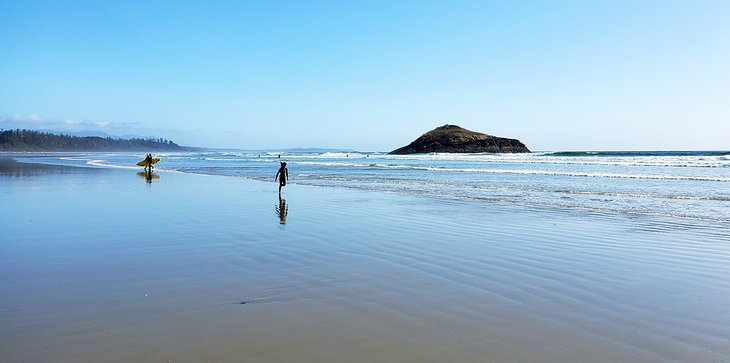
(282, 175)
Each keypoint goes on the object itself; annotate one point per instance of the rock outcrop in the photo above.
(454, 139)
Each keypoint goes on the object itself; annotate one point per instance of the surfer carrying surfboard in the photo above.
(282, 175)
(148, 163)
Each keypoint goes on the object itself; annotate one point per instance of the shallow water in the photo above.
(694, 185)
(105, 265)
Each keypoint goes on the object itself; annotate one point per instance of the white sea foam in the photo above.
(106, 164)
(332, 155)
(690, 185)
(547, 158)
(520, 171)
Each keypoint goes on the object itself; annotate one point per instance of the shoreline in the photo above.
(528, 205)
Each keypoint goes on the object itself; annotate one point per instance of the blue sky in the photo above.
(372, 75)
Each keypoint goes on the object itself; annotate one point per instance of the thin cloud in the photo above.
(195, 137)
(35, 121)
(29, 118)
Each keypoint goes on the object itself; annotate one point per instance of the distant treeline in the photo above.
(29, 140)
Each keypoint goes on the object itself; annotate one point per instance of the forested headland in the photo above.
(29, 140)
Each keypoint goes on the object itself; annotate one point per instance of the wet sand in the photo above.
(104, 265)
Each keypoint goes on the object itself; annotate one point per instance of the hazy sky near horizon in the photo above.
(372, 75)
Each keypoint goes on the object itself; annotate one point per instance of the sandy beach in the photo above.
(103, 265)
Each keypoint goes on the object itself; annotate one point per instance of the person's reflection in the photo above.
(148, 176)
(281, 210)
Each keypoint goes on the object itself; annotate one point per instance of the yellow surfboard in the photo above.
(144, 162)
(148, 175)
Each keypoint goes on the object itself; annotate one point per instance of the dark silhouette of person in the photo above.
(148, 176)
(148, 165)
(281, 210)
(282, 175)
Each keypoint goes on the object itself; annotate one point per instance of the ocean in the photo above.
(682, 184)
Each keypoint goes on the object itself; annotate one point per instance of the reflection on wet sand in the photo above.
(12, 167)
(96, 265)
(148, 176)
(281, 210)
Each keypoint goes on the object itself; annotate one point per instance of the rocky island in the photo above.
(455, 139)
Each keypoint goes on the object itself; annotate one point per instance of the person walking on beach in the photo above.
(282, 175)
(148, 165)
